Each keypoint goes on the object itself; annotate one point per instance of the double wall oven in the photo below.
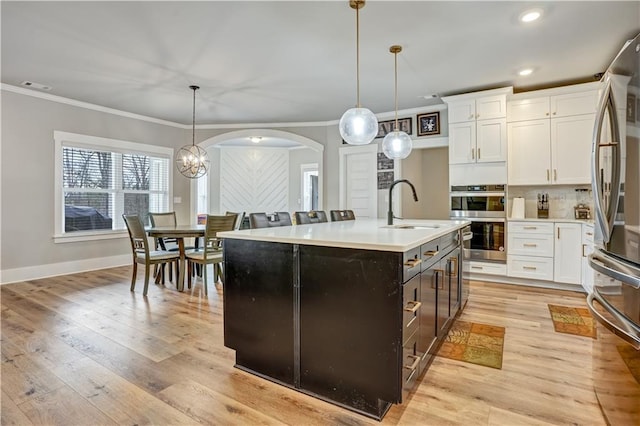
(483, 205)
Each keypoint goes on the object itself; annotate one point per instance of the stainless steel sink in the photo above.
(409, 226)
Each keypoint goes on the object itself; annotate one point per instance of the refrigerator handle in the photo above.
(613, 268)
(606, 206)
(631, 336)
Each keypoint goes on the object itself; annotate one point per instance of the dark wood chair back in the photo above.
(340, 215)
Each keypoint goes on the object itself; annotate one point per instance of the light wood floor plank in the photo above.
(83, 348)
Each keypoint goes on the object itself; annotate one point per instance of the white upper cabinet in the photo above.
(482, 108)
(478, 127)
(561, 105)
(550, 137)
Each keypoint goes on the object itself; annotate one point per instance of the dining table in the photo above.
(179, 232)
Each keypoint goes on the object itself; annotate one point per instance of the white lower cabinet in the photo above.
(530, 250)
(545, 251)
(475, 267)
(587, 249)
(567, 265)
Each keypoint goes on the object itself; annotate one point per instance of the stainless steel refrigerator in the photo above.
(615, 299)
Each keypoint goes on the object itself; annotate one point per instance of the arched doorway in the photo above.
(270, 175)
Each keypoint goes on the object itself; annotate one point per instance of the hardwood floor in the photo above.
(83, 350)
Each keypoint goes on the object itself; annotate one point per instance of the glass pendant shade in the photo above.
(191, 160)
(358, 126)
(397, 145)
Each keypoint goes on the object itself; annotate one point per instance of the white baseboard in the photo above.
(54, 269)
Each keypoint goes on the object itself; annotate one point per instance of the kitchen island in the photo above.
(350, 312)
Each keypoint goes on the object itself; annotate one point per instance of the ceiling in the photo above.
(283, 62)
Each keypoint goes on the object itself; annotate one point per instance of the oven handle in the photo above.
(625, 335)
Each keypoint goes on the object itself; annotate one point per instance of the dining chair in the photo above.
(311, 216)
(239, 219)
(264, 220)
(341, 215)
(142, 254)
(211, 251)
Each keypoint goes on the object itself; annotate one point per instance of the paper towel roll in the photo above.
(517, 210)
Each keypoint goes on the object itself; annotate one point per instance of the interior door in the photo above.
(359, 181)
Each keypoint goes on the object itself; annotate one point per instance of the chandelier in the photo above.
(192, 161)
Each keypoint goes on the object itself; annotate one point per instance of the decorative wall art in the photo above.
(429, 123)
(388, 126)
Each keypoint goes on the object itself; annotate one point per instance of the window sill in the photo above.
(80, 236)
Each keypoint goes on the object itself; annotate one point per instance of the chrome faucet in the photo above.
(390, 212)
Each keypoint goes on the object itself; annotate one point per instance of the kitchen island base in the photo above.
(339, 324)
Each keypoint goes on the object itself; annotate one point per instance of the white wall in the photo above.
(27, 179)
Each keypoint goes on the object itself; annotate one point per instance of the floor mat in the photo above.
(569, 320)
(480, 344)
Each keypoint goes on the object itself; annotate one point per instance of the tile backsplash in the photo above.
(562, 199)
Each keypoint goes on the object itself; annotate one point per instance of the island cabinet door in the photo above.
(351, 326)
(259, 307)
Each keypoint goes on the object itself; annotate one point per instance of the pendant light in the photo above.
(192, 161)
(396, 144)
(358, 126)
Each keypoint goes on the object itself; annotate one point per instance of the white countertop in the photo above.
(369, 234)
(556, 219)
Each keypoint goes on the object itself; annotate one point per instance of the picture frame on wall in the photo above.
(428, 123)
(388, 126)
(384, 163)
(631, 108)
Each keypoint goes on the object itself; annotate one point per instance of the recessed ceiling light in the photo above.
(525, 72)
(531, 15)
(255, 139)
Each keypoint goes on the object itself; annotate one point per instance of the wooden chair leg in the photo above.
(189, 268)
(147, 270)
(133, 276)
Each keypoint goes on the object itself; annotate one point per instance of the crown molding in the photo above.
(99, 108)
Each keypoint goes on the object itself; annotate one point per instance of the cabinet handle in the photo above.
(411, 263)
(530, 227)
(477, 267)
(435, 278)
(471, 117)
(413, 306)
(530, 245)
(478, 153)
(583, 247)
(547, 174)
(529, 267)
(431, 253)
(555, 175)
(558, 233)
(414, 365)
(554, 113)
(473, 154)
(590, 234)
(546, 113)
(453, 271)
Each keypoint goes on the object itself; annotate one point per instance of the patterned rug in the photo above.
(569, 320)
(480, 344)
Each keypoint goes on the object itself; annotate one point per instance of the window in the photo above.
(98, 180)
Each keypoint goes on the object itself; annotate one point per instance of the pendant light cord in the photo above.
(357, 57)
(395, 55)
(193, 122)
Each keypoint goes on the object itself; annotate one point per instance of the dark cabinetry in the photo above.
(351, 326)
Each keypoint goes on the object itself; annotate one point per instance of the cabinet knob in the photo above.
(554, 113)
(546, 113)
